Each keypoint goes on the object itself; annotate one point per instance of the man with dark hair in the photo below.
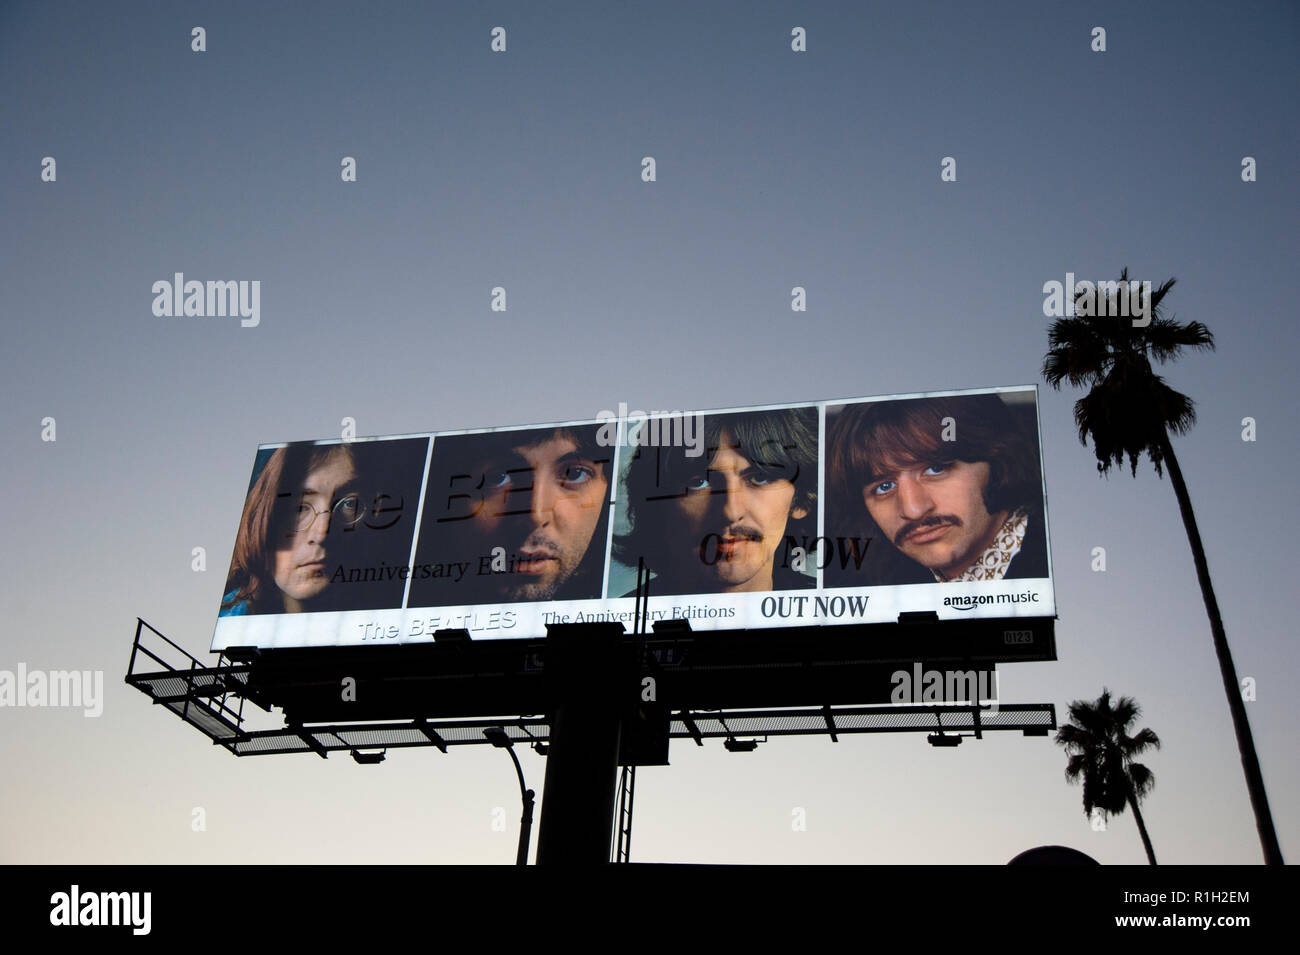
(513, 516)
(952, 483)
(720, 522)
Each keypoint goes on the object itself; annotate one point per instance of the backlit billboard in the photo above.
(823, 513)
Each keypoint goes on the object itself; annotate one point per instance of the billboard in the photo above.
(851, 511)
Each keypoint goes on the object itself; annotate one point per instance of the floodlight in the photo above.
(919, 616)
(452, 635)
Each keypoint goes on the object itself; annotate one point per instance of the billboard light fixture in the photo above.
(451, 636)
(919, 616)
(498, 737)
(368, 759)
(734, 745)
(944, 739)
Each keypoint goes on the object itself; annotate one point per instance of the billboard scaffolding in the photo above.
(211, 698)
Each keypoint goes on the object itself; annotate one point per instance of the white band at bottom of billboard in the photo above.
(1006, 598)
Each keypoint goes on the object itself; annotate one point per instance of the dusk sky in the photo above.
(523, 169)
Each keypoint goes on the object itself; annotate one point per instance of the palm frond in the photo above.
(1142, 778)
(1166, 338)
(1077, 353)
(1074, 767)
(1139, 743)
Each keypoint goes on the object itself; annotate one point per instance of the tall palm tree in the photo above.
(1102, 751)
(1129, 411)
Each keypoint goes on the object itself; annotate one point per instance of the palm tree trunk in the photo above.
(1245, 741)
(1142, 829)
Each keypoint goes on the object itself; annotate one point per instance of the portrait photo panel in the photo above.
(934, 490)
(717, 503)
(326, 526)
(511, 516)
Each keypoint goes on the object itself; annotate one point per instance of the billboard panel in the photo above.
(839, 512)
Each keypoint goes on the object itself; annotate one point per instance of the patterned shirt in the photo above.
(993, 563)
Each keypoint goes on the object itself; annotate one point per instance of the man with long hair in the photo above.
(321, 527)
(942, 489)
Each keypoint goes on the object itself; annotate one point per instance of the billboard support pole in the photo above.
(587, 672)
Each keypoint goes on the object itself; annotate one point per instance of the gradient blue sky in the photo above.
(522, 169)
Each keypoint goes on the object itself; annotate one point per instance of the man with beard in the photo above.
(513, 516)
(722, 522)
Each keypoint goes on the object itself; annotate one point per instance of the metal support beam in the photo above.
(830, 723)
(585, 668)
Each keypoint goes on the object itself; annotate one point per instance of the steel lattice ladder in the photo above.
(626, 790)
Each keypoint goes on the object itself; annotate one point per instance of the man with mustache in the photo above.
(952, 483)
(722, 522)
(513, 516)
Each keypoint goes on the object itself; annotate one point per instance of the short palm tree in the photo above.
(1101, 753)
(1130, 411)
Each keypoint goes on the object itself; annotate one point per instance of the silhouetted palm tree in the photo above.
(1102, 751)
(1129, 411)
